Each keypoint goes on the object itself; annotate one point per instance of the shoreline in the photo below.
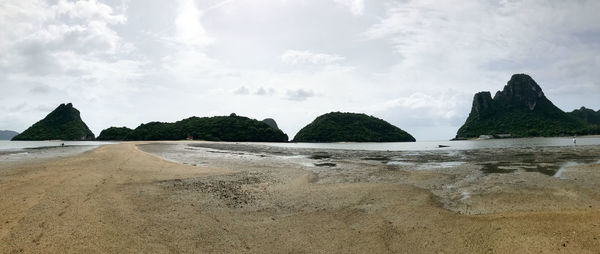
(462, 181)
(26, 156)
(118, 198)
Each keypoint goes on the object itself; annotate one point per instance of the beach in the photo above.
(207, 197)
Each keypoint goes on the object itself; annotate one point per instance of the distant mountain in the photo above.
(114, 133)
(521, 109)
(587, 115)
(590, 117)
(7, 135)
(217, 128)
(271, 123)
(63, 123)
(351, 127)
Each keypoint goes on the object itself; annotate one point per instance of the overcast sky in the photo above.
(415, 64)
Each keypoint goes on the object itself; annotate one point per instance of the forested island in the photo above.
(351, 127)
(64, 123)
(216, 128)
(520, 110)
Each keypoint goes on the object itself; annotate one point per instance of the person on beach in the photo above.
(575, 139)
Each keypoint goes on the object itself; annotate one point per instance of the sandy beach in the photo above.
(180, 197)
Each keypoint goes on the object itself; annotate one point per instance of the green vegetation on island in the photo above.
(351, 127)
(114, 133)
(217, 128)
(590, 117)
(520, 110)
(8, 135)
(271, 123)
(64, 123)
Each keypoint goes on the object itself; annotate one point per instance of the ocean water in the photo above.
(11, 146)
(450, 145)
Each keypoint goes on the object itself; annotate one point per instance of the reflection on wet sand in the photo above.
(463, 181)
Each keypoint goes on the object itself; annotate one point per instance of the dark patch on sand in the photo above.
(326, 164)
(320, 156)
(232, 190)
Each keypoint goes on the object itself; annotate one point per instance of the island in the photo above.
(64, 123)
(271, 122)
(351, 127)
(114, 133)
(217, 128)
(520, 110)
(590, 117)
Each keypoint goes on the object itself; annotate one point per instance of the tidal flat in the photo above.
(474, 181)
(206, 197)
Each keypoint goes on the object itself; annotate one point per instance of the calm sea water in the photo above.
(20, 145)
(452, 145)
(401, 146)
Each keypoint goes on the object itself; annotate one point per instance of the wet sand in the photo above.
(223, 198)
(12, 158)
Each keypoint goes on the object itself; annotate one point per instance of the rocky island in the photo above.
(520, 110)
(64, 123)
(271, 122)
(218, 128)
(590, 117)
(114, 133)
(351, 127)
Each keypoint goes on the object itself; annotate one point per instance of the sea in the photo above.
(451, 145)
(12, 152)
(6, 146)
(15, 146)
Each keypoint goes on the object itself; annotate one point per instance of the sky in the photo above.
(415, 64)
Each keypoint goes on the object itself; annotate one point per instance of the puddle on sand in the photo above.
(400, 163)
(438, 165)
(320, 156)
(563, 169)
(326, 164)
(555, 169)
(465, 195)
(383, 159)
(504, 167)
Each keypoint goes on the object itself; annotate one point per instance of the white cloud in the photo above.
(189, 29)
(356, 7)
(441, 107)
(413, 63)
(265, 91)
(35, 37)
(305, 56)
(241, 91)
(88, 10)
(299, 94)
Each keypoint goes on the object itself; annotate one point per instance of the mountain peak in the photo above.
(520, 109)
(482, 101)
(271, 122)
(62, 123)
(521, 90)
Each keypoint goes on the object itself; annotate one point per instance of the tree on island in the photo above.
(351, 127)
(521, 110)
(64, 123)
(217, 128)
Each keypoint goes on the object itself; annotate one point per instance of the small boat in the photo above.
(442, 146)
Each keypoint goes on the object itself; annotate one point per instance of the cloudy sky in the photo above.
(415, 64)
